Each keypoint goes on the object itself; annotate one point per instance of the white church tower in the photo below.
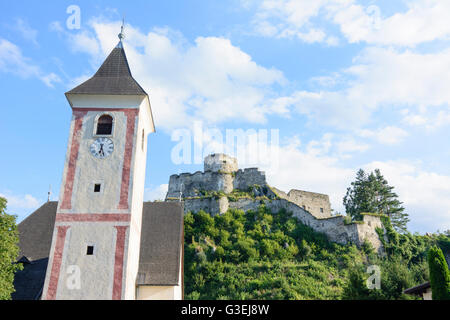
(96, 239)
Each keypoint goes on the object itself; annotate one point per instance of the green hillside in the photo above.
(265, 255)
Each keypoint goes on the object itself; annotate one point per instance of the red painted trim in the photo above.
(118, 262)
(126, 170)
(68, 187)
(95, 217)
(57, 261)
(79, 113)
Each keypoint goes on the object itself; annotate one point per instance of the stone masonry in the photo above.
(215, 190)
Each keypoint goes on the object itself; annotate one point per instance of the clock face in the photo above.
(102, 148)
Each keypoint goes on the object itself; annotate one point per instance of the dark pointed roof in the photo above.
(113, 78)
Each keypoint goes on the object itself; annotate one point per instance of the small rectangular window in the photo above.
(97, 187)
(321, 210)
(90, 250)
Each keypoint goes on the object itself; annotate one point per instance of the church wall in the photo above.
(87, 277)
(90, 170)
(158, 293)
(428, 295)
(104, 101)
(137, 199)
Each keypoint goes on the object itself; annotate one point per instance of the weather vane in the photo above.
(49, 193)
(121, 34)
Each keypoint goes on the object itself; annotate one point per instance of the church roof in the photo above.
(35, 232)
(161, 243)
(161, 250)
(113, 78)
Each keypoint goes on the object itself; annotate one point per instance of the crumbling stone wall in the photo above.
(315, 203)
(190, 185)
(333, 227)
(244, 179)
(221, 174)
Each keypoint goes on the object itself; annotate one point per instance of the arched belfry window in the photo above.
(104, 125)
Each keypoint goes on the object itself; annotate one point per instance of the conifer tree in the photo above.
(439, 274)
(372, 193)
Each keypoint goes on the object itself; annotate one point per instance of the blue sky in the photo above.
(348, 84)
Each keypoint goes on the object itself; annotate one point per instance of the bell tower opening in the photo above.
(104, 125)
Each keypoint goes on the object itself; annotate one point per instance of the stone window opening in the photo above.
(321, 210)
(97, 187)
(104, 125)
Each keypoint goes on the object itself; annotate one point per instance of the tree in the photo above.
(439, 274)
(8, 251)
(372, 193)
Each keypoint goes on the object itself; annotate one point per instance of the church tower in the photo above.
(96, 239)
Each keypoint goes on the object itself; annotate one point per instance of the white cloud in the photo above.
(84, 42)
(157, 193)
(349, 145)
(413, 83)
(289, 19)
(389, 135)
(190, 81)
(26, 31)
(26, 201)
(430, 120)
(56, 26)
(422, 21)
(12, 61)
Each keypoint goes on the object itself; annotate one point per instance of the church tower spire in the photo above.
(96, 239)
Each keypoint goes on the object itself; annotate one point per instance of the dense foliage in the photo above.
(372, 193)
(8, 251)
(439, 274)
(264, 255)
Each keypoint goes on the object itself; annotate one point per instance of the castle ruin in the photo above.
(222, 186)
